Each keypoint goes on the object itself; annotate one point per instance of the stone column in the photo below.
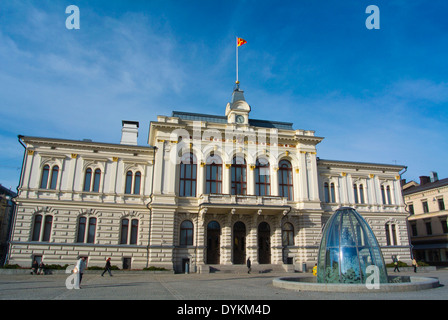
(252, 239)
(276, 240)
(200, 255)
(226, 241)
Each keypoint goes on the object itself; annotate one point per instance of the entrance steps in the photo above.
(242, 268)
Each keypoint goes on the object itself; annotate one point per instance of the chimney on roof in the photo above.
(434, 177)
(424, 180)
(129, 132)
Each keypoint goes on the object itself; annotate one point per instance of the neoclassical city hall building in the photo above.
(207, 191)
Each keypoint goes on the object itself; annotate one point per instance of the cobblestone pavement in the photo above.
(215, 286)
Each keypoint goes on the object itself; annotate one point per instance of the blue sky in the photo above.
(375, 95)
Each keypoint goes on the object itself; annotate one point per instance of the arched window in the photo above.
(42, 231)
(332, 193)
(89, 185)
(96, 180)
(288, 234)
(44, 179)
(391, 234)
(361, 194)
(124, 231)
(187, 186)
(81, 229)
(91, 230)
(389, 196)
(133, 182)
(285, 183)
(47, 228)
(129, 235)
(326, 192)
(128, 187)
(134, 231)
(358, 191)
(383, 195)
(37, 226)
(54, 177)
(186, 233)
(87, 179)
(355, 192)
(137, 181)
(262, 178)
(46, 175)
(239, 175)
(213, 179)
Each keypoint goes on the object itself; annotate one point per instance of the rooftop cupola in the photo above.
(237, 111)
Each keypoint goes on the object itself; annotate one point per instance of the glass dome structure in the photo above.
(348, 246)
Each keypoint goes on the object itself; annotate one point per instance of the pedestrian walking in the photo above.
(79, 269)
(414, 264)
(396, 264)
(107, 268)
(248, 263)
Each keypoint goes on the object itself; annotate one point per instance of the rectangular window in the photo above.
(262, 179)
(214, 178)
(425, 206)
(441, 204)
(411, 209)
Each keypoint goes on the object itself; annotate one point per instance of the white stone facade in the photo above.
(140, 208)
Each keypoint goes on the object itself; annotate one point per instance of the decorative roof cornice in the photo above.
(86, 145)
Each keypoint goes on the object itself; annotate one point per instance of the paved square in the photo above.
(215, 286)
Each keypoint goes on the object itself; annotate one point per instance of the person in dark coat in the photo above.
(107, 268)
(34, 267)
(248, 265)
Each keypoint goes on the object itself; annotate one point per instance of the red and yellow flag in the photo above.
(240, 42)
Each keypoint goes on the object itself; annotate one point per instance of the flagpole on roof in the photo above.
(237, 60)
(239, 42)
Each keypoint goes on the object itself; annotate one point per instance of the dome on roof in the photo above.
(348, 247)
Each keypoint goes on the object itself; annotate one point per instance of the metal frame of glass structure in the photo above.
(348, 247)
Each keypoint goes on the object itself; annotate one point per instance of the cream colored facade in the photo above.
(171, 225)
(428, 227)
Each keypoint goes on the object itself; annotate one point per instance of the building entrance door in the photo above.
(239, 243)
(213, 235)
(264, 243)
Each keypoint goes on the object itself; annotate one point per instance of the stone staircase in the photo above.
(241, 268)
